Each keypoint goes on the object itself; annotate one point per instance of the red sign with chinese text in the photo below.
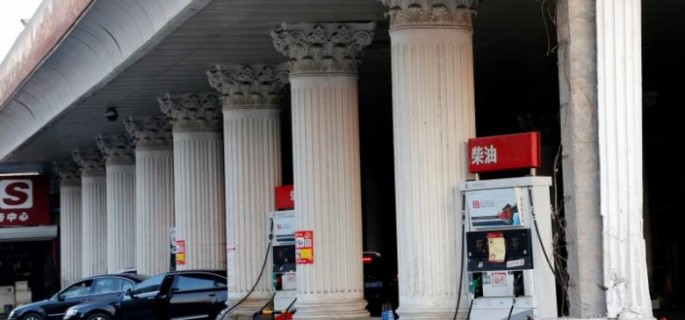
(24, 201)
(504, 152)
(285, 197)
(304, 247)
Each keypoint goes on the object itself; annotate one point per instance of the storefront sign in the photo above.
(285, 197)
(24, 201)
(504, 152)
(304, 247)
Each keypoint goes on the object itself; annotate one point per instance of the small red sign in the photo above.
(304, 247)
(24, 201)
(285, 197)
(504, 152)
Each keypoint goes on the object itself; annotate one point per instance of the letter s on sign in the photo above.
(16, 194)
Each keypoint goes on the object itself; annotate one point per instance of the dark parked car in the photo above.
(185, 294)
(84, 290)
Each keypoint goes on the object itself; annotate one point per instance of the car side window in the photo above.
(199, 281)
(151, 284)
(106, 285)
(77, 289)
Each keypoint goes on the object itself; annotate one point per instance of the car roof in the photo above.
(134, 277)
(219, 272)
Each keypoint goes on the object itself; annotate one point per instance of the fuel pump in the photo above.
(508, 235)
(283, 274)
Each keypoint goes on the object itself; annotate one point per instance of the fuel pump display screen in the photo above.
(499, 250)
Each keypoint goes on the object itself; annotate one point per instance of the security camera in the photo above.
(111, 114)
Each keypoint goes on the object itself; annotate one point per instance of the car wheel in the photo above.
(31, 316)
(99, 316)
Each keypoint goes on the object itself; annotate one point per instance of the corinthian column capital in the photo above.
(322, 47)
(430, 13)
(256, 86)
(116, 148)
(192, 111)
(89, 161)
(150, 132)
(67, 173)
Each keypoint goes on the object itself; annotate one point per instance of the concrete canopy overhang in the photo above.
(126, 53)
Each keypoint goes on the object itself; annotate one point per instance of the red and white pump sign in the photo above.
(24, 201)
(504, 152)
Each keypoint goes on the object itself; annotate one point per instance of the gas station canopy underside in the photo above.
(127, 53)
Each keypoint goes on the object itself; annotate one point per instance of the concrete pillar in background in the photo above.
(198, 177)
(326, 170)
(154, 192)
(94, 211)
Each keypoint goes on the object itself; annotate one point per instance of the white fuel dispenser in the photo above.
(508, 247)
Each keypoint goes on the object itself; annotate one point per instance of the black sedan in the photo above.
(185, 294)
(84, 290)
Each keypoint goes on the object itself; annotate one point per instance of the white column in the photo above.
(70, 222)
(433, 118)
(619, 83)
(154, 193)
(323, 76)
(252, 160)
(198, 178)
(121, 198)
(94, 211)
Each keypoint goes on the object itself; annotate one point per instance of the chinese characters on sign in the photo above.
(24, 200)
(304, 247)
(483, 155)
(504, 152)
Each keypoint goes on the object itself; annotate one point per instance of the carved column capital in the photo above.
(116, 148)
(150, 132)
(322, 47)
(192, 111)
(255, 86)
(91, 162)
(430, 13)
(67, 173)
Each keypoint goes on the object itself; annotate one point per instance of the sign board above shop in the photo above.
(504, 152)
(24, 201)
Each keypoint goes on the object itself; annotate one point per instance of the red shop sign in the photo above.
(504, 152)
(24, 201)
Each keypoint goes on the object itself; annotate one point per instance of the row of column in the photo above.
(222, 184)
(322, 69)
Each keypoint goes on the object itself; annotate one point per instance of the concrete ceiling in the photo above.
(514, 43)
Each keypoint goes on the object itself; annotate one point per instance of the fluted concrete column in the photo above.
(619, 83)
(323, 76)
(70, 222)
(252, 160)
(94, 211)
(198, 177)
(121, 198)
(433, 118)
(154, 192)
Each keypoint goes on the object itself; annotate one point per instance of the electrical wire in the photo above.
(537, 232)
(261, 272)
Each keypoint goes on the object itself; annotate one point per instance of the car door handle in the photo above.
(212, 294)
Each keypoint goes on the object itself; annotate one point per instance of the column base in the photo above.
(436, 309)
(332, 309)
(246, 310)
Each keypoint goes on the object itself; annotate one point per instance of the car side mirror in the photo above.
(60, 297)
(129, 292)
